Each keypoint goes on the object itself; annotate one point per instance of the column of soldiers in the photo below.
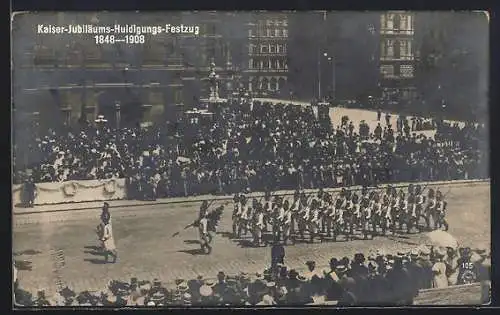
(326, 216)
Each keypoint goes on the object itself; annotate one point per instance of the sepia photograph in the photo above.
(250, 159)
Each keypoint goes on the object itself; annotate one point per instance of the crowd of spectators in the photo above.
(378, 279)
(253, 147)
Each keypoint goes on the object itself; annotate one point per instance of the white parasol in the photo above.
(441, 238)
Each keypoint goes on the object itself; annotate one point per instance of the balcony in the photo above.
(394, 31)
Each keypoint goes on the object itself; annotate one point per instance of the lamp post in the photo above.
(118, 114)
(319, 74)
(331, 59)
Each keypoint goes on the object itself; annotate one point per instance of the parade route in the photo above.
(147, 249)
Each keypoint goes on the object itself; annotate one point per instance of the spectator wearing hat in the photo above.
(439, 269)
(207, 293)
(41, 300)
(451, 262)
(220, 287)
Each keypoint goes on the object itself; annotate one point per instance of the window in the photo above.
(268, 32)
(284, 49)
(387, 71)
(278, 64)
(285, 33)
(155, 97)
(250, 63)
(178, 96)
(285, 22)
(251, 48)
(390, 48)
(278, 48)
(389, 22)
(406, 71)
(285, 65)
(269, 65)
(250, 33)
(272, 49)
(405, 49)
(264, 49)
(269, 22)
(277, 32)
(403, 22)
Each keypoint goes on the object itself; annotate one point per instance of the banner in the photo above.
(73, 191)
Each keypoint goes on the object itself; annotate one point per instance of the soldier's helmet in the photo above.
(389, 189)
(430, 194)
(286, 205)
(343, 192)
(236, 198)
(320, 193)
(411, 188)
(296, 194)
(204, 204)
(418, 189)
(355, 198)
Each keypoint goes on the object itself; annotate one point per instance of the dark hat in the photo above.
(359, 258)
(106, 204)
(310, 263)
(334, 261)
(221, 274)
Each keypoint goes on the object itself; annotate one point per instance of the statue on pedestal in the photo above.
(214, 83)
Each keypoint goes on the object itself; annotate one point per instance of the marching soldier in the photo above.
(419, 206)
(314, 220)
(204, 236)
(412, 210)
(304, 217)
(366, 208)
(294, 209)
(329, 215)
(377, 218)
(258, 225)
(287, 222)
(430, 208)
(339, 218)
(356, 210)
(440, 213)
(236, 214)
(108, 241)
(268, 207)
(403, 210)
(244, 216)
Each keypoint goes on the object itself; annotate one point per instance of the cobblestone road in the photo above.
(147, 250)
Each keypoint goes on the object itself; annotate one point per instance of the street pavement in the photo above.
(147, 249)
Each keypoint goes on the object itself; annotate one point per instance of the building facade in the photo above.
(266, 73)
(72, 77)
(397, 56)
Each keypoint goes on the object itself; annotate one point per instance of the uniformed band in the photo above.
(326, 216)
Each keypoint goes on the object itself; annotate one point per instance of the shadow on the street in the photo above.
(194, 252)
(95, 253)
(23, 265)
(95, 261)
(91, 247)
(27, 252)
(192, 242)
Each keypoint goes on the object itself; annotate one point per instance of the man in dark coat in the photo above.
(277, 255)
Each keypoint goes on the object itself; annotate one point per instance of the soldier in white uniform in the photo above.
(204, 236)
(109, 242)
(243, 219)
(258, 225)
(430, 207)
(236, 214)
(440, 220)
(294, 209)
